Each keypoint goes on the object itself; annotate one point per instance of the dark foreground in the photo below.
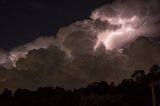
(130, 92)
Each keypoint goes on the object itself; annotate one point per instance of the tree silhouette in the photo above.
(138, 75)
(130, 92)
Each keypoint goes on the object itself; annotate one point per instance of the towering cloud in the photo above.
(115, 25)
(128, 19)
(109, 47)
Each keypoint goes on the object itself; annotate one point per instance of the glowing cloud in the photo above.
(124, 31)
(85, 42)
(114, 25)
(131, 19)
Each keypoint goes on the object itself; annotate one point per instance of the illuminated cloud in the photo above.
(109, 47)
(51, 67)
(115, 25)
(4, 59)
(22, 51)
(132, 18)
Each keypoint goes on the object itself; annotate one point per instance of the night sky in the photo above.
(22, 21)
(71, 43)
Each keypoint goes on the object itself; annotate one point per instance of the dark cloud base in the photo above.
(52, 67)
(70, 60)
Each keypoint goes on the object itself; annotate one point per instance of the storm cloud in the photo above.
(114, 42)
(52, 67)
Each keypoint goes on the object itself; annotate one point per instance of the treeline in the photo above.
(130, 92)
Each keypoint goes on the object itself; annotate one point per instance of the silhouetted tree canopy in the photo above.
(130, 92)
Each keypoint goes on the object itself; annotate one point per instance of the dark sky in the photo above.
(22, 21)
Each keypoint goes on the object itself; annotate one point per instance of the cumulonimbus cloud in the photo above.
(109, 47)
